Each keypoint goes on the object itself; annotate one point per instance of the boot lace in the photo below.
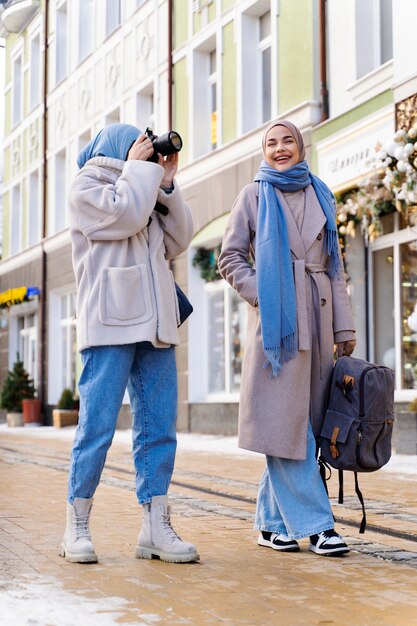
(81, 526)
(167, 527)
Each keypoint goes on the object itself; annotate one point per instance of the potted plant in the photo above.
(17, 387)
(66, 412)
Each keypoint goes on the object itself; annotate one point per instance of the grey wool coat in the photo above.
(274, 413)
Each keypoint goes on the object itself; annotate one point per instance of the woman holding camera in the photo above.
(285, 222)
(127, 326)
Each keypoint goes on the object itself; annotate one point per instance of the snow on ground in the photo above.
(41, 602)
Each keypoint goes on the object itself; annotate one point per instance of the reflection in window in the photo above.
(383, 285)
(28, 345)
(373, 35)
(408, 252)
(227, 326)
(68, 341)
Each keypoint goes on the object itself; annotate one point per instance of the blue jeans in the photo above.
(292, 498)
(150, 376)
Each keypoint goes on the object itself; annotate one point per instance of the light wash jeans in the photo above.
(291, 496)
(150, 376)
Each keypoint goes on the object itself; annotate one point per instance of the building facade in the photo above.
(216, 71)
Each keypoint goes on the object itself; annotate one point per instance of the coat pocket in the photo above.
(125, 297)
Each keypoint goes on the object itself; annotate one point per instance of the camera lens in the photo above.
(168, 143)
(176, 140)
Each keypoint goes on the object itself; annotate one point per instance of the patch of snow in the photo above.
(41, 602)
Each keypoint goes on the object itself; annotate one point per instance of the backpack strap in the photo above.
(360, 496)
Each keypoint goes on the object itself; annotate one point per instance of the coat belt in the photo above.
(301, 269)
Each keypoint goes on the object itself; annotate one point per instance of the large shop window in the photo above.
(63, 355)
(393, 316)
(23, 339)
(205, 96)
(226, 327)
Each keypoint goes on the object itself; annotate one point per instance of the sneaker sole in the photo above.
(332, 552)
(268, 544)
(148, 553)
(77, 558)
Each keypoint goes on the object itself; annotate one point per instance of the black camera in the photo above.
(164, 144)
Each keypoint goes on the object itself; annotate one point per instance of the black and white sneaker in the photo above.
(328, 543)
(277, 541)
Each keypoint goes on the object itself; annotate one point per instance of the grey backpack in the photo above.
(357, 428)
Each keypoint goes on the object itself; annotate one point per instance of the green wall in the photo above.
(295, 53)
(180, 22)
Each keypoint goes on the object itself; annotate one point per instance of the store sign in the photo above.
(17, 296)
(349, 157)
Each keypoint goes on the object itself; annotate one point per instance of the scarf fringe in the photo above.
(276, 357)
(333, 252)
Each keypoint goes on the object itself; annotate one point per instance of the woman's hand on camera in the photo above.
(170, 165)
(345, 348)
(141, 150)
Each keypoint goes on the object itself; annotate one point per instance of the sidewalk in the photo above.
(235, 583)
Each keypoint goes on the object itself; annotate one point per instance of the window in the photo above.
(83, 140)
(113, 117)
(213, 98)
(145, 108)
(257, 64)
(373, 35)
(33, 209)
(35, 71)
(205, 98)
(61, 43)
(17, 90)
(27, 344)
(60, 191)
(113, 16)
(226, 317)
(16, 220)
(85, 29)
(68, 341)
(63, 357)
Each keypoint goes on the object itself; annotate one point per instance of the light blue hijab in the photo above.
(112, 141)
(274, 271)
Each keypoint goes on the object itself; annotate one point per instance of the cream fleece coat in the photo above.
(120, 248)
(274, 413)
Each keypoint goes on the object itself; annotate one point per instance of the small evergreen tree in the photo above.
(66, 401)
(17, 387)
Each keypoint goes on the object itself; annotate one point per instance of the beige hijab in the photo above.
(294, 132)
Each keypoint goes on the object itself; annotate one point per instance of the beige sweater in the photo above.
(126, 291)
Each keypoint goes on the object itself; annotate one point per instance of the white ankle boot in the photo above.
(77, 546)
(157, 538)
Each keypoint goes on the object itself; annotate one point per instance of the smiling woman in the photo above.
(298, 308)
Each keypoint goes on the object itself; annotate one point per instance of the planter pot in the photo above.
(32, 412)
(64, 417)
(14, 419)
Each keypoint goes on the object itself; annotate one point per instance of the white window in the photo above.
(28, 344)
(83, 140)
(85, 29)
(63, 343)
(113, 15)
(17, 90)
(61, 43)
(60, 191)
(256, 66)
(226, 315)
(16, 221)
(145, 108)
(205, 98)
(34, 220)
(35, 71)
(373, 35)
(113, 117)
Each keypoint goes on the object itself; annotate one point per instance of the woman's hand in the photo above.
(170, 165)
(345, 348)
(141, 150)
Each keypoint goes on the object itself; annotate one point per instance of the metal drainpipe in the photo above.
(42, 322)
(323, 63)
(170, 26)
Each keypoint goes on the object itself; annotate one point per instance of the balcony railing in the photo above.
(16, 14)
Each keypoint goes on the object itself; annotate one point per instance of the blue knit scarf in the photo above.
(274, 272)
